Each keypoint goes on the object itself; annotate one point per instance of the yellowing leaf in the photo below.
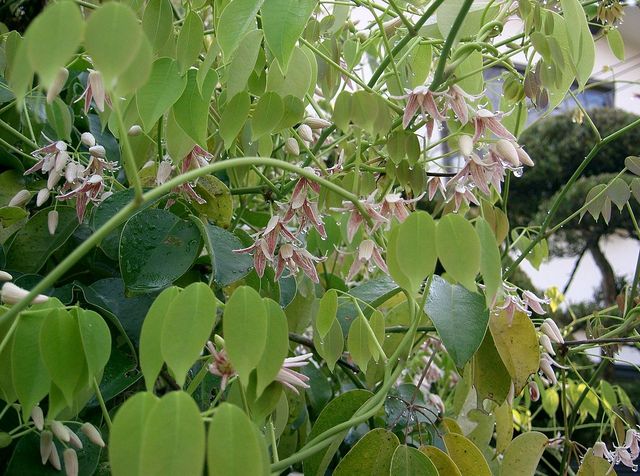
(593, 465)
(371, 455)
(466, 455)
(441, 460)
(523, 454)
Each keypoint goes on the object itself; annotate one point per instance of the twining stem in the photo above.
(103, 407)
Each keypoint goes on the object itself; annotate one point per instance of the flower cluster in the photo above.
(625, 454)
(527, 303)
(196, 158)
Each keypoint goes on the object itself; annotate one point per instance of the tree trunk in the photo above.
(608, 277)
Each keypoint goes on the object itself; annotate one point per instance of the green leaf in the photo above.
(616, 43)
(358, 342)
(408, 461)
(243, 63)
(7, 386)
(293, 112)
(219, 203)
(191, 110)
(297, 79)
(395, 270)
(371, 455)
(269, 110)
(60, 342)
(460, 317)
(441, 460)
(189, 41)
(114, 36)
(162, 90)
(187, 327)
(238, 17)
(593, 465)
(415, 248)
(137, 73)
(234, 116)
(151, 336)
(126, 438)
(478, 16)
(490, 261)
(29, 373)
(59, 118)
(504, 426)
(156, 248)
(632, 163)
(229, 266)
(179, 144)
(173, 441)
(619, 192)
(205, 67)
(490, 376)
(472, 83)
(466, 455)
(523, 454)
(52, 39)
(96, 342)
(157, 23)
(517, 344)
(276, 346)
(581, 46)
(20, 72)
(234, 445)
(337, 411)
(330, 347)
(459, 249)
(245, 330)
(327, 310)
(33, 245)
(283, 22)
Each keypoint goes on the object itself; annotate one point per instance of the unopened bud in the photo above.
(291, 146)
(54, 178)
(391, 25)
(98, 92)
(20, 199)
(524, 157)
(134, 130)
(4, 276)
(363, 35)
(93, 434)
(12, 294)
(60, 431)
(58, 83)
(550, 328)
(219, 341)
(164, 172)
(38, 417)
(46, 445)
(545, 342)
(70, 462)
(88, 139)
(61, 161)
(507, 151)
(43, 196)
(546, 368)
(534, 391)
(52, 222)
(305, 132)
(316, 123)
(98, 151)
(73, 439)
(5, 439)
(54, 458)
(465, 143)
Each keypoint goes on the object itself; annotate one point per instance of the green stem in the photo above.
(129, 160)
(103, 407)
(7, 127)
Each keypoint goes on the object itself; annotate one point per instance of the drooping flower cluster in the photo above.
(511, 303)
(196, 158)
(625, 454)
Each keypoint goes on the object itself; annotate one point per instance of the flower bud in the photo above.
(524, 157)
(61, 161)
(550, 328)
(291, 146)
(54, 458)
(508, 152)
(391, 25)
(316, 123)
(600, 449)
(60, 431)
(134, 130)
(58, 83)
(88, 139)
(546, 368)
(12, 294)
(465, 144)
(534, 391)
(95, 82)
(73, 439)
(5, 439)
(38, 417)
(511, 394)
(363, 35)
(54, 178)
(545, 342)
(305, 132)
(98, 151)
(20, 199)
(219, 341)
(164, 172)
(70, 462)
(52, 221)
(4, 276)
(46, 445)
(93, 434)
(43, 196)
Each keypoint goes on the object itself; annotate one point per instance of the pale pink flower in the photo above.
(461, 193)
(621, 455)
(294, 258)
(436, 401)
(534, 302)
(89, 190)
(221, 366)
(475, 172)
(53, 156)
(290, 378)
(457, 100)
(423, 99)
(600, 450)
(393, 205)
(95, 91)
(632, 443)
(356, 219)
(435, 185)
(534, 391)
(550, 329)
(485, 119)
(261, 254)
(367, 250)
(302, 188)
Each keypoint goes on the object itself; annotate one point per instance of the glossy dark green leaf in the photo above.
(156, 248)
(238, 17)
(162, 90)
(187, 327)
(408, 461)
(458, 249)
(371, 455)
(229, 266)
(337, 411)
(245, 330)
(33, 244)
(460, 318)
(283, 22)
(234, 444)
(490, 376)
(189, 41)
(96, 342)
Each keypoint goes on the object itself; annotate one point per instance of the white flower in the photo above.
(12, 294)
